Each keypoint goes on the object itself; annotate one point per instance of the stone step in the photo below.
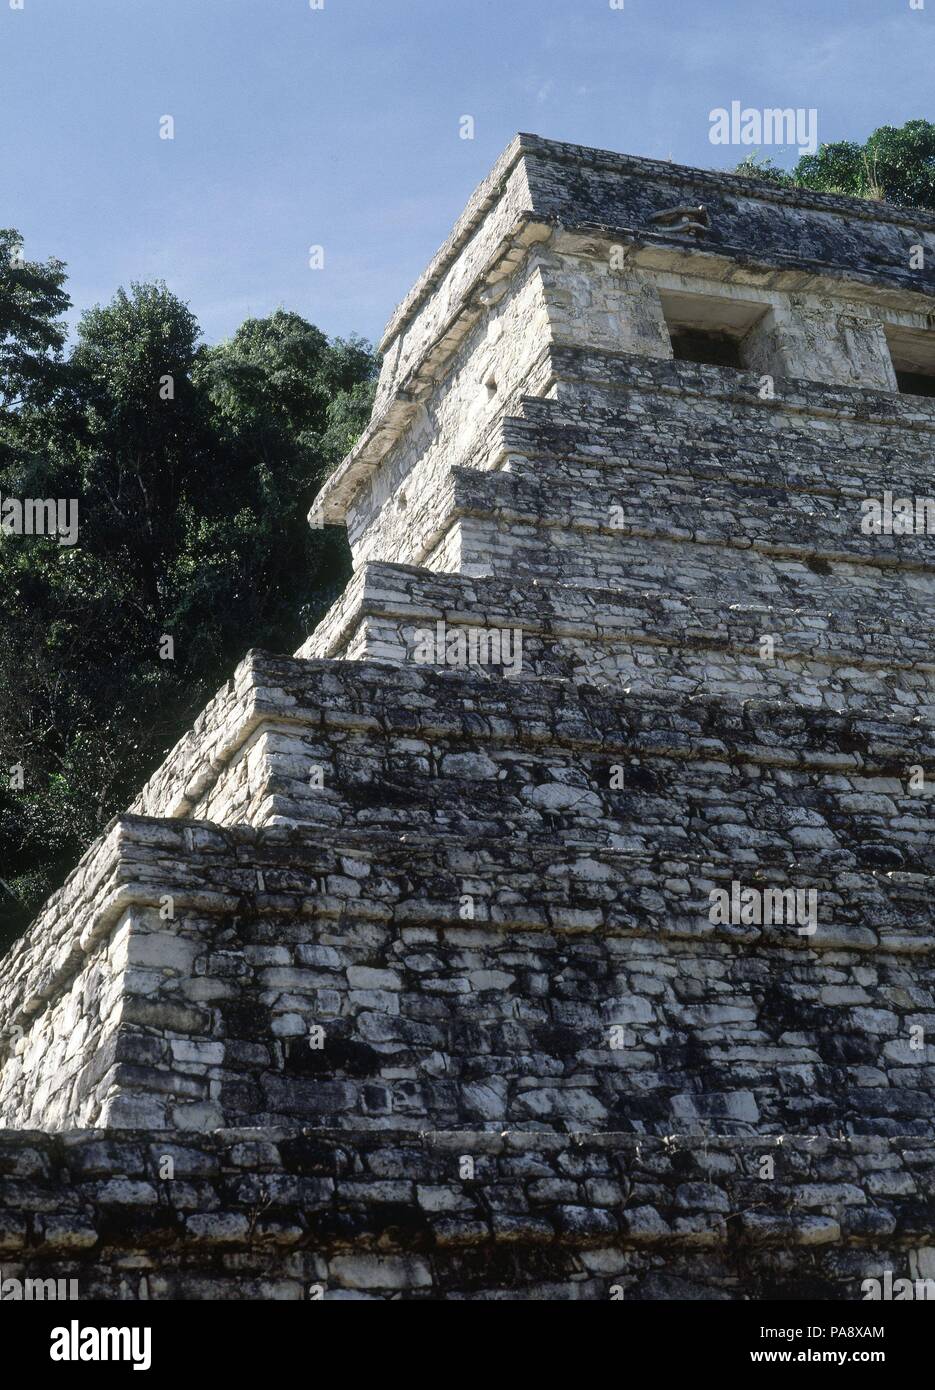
(597, 391)
(679, 627)
(460, 752)
(461, 983)
(655, 420)
(755, 444)
(465, 1215)
(565, 522)
(756, 815)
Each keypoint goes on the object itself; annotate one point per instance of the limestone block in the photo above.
(821, 341)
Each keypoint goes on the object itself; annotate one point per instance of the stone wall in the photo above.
(440, 930)
(293, 1215)
(831, 273)
(482, 980)
(670, 426)
(433, 733)
(498, 362)
(651, 643)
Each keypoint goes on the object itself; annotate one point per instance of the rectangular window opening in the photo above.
(709, 329)
(913, 355)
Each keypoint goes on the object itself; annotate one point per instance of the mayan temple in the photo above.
(557, 923)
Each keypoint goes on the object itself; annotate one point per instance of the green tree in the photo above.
(138, 422)
(32, 301)
(756, 166)
(896, 164)
(194, 468)
(284, 404)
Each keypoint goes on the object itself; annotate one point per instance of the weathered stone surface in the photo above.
(439, 888)
(543, 1216)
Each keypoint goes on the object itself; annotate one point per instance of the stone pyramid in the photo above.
(558, 922)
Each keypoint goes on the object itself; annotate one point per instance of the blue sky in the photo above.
(340, 126)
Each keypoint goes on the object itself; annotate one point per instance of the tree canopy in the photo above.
(896, 164)
(193, 467)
